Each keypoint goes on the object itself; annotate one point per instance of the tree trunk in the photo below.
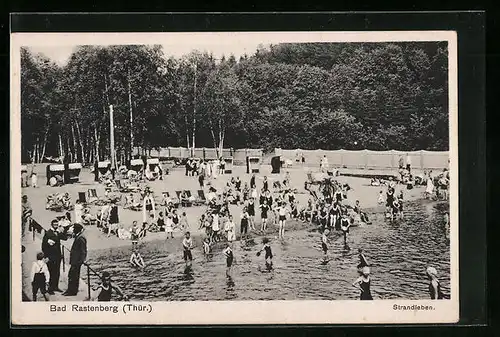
(187, 131)
(61, 149)
(82, 151)
(213, 136)
(44, 144)
(96, 142)
(35, 150)
(131, 115)
(70, 152)
(75, 146)
(194, 111)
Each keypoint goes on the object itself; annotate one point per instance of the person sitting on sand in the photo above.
(381, 198)
(374, 182)
(106, 288)
(363, 216)
(136, 259)
(123, 234)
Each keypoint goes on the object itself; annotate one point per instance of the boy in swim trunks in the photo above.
(269, 253)
(187, 245)
(228, 253)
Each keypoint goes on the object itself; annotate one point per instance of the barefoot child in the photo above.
(106, 288)
(324, 243)
(264, 208)
(229, 227)
(269, 253)
(40, 276)
(228, 253)
(207, 249)
(136, 259)
(187, 245)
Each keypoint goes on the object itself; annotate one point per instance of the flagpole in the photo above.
(112, 136)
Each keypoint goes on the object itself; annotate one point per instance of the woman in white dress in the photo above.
(430, 187)
(215, 167)
(78, 212)
(230, 229)
(169, 227)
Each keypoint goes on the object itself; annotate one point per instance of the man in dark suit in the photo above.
(51, 248)
(77, 257)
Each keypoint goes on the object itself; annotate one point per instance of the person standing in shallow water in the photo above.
(363, 284)
(434, 285)
(106, 288)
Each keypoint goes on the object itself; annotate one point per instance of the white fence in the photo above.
(369, 159)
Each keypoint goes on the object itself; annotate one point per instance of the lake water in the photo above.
(398, 252)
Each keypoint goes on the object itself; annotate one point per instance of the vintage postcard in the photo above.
(234, 178)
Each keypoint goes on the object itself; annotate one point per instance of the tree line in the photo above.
(377, 96)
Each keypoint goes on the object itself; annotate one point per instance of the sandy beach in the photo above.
(176, 180)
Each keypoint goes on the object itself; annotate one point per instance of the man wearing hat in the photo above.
(77, 257)
(51, 248)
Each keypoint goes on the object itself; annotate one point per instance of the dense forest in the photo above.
(376, 96)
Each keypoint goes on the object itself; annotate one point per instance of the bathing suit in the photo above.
(149, 205)
(263, 211)
(362, 261)
(105, 294)
(229, 257)
(244, 225)
(365, 294)
(269, 253)
(344, 225)
(251, 209)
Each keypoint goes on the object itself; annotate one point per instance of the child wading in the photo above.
(106, 288)
(434, 285)
(363, 284)
(269, 253)
(324, 244)
(40, 276)
(136, 259)
(228, 253)
(344, 226)
(187, 245)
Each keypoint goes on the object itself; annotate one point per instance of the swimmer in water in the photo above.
(269, 253)
(187, 245)
(228, 253)
(362, 259)
(106, 288)
(136, 259)
(363, 284)
(324, 243)
(434, 285)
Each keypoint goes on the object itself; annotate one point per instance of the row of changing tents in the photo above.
(74, 169)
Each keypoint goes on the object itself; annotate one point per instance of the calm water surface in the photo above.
(398, 252)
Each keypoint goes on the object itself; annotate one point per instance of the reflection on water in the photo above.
(397, 251)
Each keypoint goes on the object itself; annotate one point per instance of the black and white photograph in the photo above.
(220, 170)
